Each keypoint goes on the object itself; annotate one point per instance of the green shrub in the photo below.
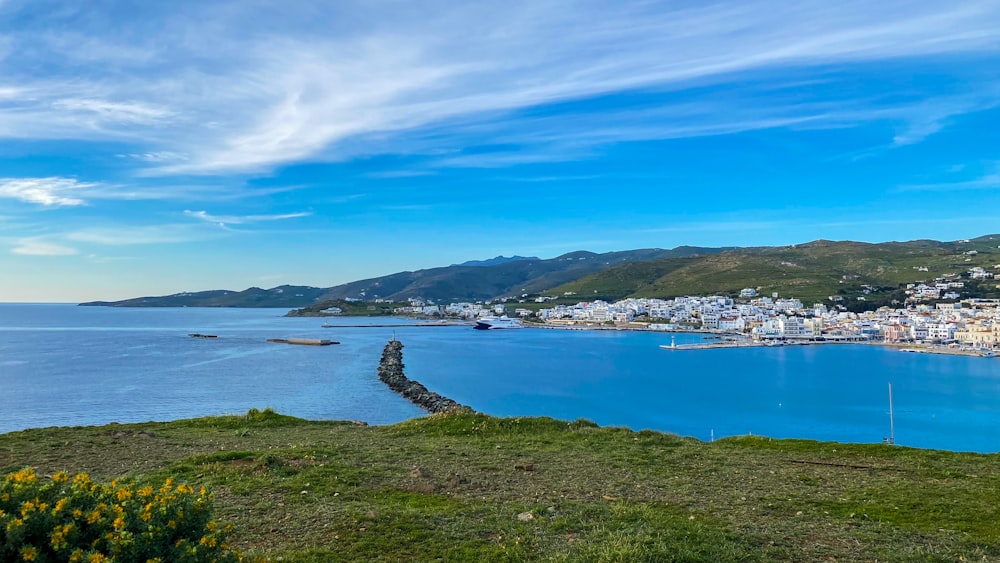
(73, 519)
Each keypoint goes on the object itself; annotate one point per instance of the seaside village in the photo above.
(970, 324)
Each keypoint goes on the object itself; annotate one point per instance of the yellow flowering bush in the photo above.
(66, 518)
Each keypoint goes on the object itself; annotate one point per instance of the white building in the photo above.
(793, 326)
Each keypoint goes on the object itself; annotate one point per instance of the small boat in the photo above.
(493, 323)
(199, 335)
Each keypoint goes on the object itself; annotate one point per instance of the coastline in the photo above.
(744, 340)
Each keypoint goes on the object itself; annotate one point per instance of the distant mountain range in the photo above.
(811, 271)
(281, 296)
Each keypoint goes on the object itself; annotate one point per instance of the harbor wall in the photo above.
(390, 371)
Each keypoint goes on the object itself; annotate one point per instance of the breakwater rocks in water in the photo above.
(390, 371)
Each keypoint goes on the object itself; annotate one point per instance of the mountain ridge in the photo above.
(810, 270)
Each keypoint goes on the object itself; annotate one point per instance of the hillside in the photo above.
(477, 488)
(281, 296)
(812, 272)
(509, 278)
(473, 281)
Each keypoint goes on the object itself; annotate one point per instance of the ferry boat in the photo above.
(493, 323)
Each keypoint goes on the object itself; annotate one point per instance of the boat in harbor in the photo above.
(493, 323)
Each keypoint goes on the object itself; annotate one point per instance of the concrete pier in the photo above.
(303, 341)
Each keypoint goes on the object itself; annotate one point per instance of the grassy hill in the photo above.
(478, 280)
(811, 272)
(281, 296)
(476, 488)
(508, 278)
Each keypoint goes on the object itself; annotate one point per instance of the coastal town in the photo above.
(970, 326)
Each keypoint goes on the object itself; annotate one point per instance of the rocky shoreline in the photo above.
(390, 371)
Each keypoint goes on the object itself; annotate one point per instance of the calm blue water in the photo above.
(66, 365)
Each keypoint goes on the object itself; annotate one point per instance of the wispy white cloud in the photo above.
(156, 156)
(241, 219)
(314, 80)
(38, 246)
(400, 174)
(115, 112)
(140, 235)
(990, 181)
(53, 191)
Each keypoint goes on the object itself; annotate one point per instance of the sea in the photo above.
(65, 365)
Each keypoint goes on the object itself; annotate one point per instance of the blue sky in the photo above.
(148, 148)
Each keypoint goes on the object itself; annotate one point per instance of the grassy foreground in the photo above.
(472, 487)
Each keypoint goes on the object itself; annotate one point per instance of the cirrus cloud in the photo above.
(52, 191)
(38, 246)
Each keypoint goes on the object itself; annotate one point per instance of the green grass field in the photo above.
(477, 488)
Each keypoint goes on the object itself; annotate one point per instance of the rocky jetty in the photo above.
(390, 371)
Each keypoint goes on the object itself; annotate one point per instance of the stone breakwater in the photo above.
(390, 371)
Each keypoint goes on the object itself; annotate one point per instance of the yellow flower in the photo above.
(77, 513)
(96, 558)
(145, 491)
(60, 477)
(119, 523)
(81, 479)
(26, 475)
(29, 553)
(211, 526)
(76, 556)
(93, 517)
(14, 524)
(60, 505)
(58, 539)
(124, 494)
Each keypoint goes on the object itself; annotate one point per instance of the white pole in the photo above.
(892, 428)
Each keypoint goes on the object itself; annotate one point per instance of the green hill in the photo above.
(478, 280)
(811, 272)
(281, 296)
(509, 278)
(476, 488)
